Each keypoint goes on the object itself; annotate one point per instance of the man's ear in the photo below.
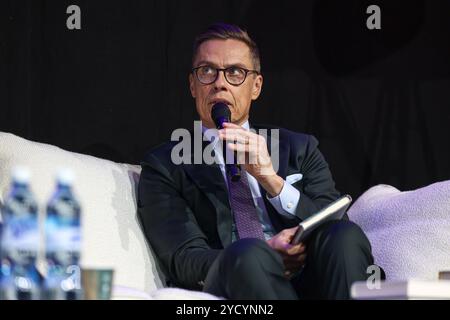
(257, 87)
(191, 85)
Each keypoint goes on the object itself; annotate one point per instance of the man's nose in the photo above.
(220, 83)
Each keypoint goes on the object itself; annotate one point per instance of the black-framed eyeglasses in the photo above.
(234, 75)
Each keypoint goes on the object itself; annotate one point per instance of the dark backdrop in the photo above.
(378, 101)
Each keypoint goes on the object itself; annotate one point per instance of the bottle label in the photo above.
(63, 242)
(20, 243)
(20, 237)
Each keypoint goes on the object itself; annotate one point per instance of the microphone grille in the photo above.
(220, 110)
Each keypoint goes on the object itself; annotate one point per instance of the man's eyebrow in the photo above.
(212, 64)
(238, 64)
(205, 62)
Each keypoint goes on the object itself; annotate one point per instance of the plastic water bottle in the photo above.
(63, 242)
(19, 277)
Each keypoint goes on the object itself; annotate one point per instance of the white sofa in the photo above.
(113, 238)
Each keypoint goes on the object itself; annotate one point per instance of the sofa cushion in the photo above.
(409, 231)
(112, 236)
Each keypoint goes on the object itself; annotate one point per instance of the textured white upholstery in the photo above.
(409, 231)
(112, 236)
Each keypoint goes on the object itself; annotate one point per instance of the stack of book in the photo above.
(408, 289)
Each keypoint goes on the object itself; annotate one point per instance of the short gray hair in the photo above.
(225, 31)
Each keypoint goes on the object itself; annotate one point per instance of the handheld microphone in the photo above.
(220, 113)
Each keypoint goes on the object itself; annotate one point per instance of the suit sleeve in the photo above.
(171, 228)
(317, 188)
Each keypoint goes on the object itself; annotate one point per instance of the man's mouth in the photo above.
(213, 102)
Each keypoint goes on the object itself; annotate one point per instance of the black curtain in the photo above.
(377, 100)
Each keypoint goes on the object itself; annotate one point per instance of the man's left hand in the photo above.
(294, 256)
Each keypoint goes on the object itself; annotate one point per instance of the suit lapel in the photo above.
(210, 181)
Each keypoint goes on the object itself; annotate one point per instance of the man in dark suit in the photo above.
(232, 239)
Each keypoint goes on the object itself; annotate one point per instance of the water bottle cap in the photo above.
(21, 174)
(65, 177)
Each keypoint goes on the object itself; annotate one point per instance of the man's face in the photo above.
(223, 54)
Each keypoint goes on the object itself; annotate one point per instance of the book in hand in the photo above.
(334, 211)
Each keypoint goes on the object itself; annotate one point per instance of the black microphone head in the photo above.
(220, 113)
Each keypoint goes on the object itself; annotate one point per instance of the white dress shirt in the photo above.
(285, 203)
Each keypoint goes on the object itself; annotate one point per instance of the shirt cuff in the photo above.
(287, 201)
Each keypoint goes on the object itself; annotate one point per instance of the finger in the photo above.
(297, 249)
(242, 157)
(240, 147)
(232, 125)
(291, 250)
(241, 132)
(244, 153)
(283, 245)
(235, 137)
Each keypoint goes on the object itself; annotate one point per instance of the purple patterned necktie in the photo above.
(245, 215)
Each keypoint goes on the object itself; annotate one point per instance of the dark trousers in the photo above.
(338, 254)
